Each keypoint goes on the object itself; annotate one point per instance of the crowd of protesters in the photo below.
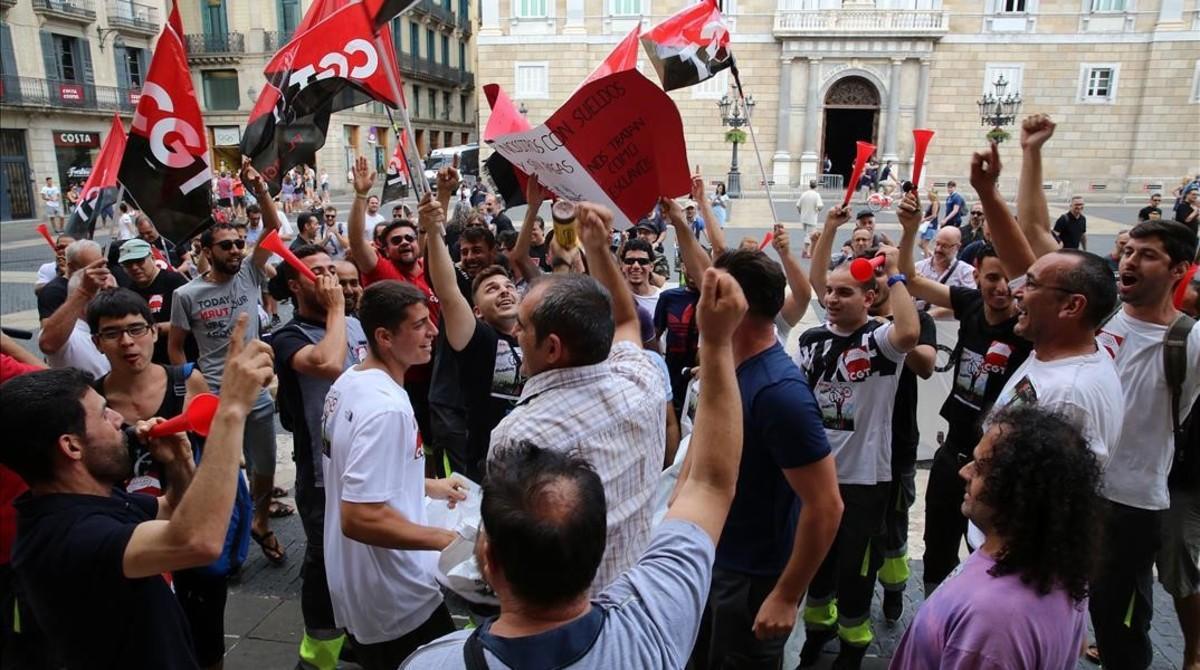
(551, 371)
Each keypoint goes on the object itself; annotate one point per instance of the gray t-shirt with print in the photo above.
(208, 311)
(651, 613)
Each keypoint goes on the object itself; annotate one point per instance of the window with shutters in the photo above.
(1108, 5)
(446, 105)
(627, 7)
(462, 56)
(1196, 83)
(462, 105)
(289, 16)
(1098, 83)
(65, 49)
(220, 89)
(1011, 6)
(531, 9)
(429, 44)
(134, 66)
(414, 38)
(445, 50)
(532, 80)
(433, 104)
(416, 100)
(713, 87)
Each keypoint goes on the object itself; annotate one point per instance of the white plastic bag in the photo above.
(457, 569)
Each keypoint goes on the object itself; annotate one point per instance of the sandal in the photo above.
(271, 549)
(279, 492)
(1092, 654)
(278, 510)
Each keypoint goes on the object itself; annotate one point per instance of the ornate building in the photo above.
(1121, 78)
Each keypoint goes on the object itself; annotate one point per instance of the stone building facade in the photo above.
(1120, 77)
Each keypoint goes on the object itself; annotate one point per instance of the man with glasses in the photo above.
(637, 263)
(973, 231)
(1153, 211)
(207, 307)
(333, 234)
(944, 267)
(157, 287)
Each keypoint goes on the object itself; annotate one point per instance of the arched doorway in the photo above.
(851, 114)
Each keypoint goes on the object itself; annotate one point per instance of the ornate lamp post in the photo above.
(998, 110)
(735, 115)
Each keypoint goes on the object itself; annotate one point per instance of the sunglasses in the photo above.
(639, 261)
(331, 216)
(976, 213)
(402, 238)
(226, 245)
(114, 334)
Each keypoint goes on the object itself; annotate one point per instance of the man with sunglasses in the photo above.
(332, 234)
(157, 287)
(974, 229)
(207, 307)
(637, 264)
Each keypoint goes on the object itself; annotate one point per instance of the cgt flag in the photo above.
(398, 174)
(337, 63)
(690, 46)
(100, 189)
(165, 167)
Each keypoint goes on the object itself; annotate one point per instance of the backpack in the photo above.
(1185, 468)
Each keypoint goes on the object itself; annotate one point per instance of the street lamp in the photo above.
(735, 115)
(523, 110)
(998, 110)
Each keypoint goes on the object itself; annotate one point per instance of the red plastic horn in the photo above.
(1181, 289)
(45, 233)
(862, 269)
(275, 245)
(196, 418)
(766, 240)
(921, 139)
(865, 150)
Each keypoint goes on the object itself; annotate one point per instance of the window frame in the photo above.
(207, 77)
(530, 94)
(1086, 71)
(547, 7)
(705, 89)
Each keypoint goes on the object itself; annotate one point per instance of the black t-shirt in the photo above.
(1070, 230)
(905, 433)
(490, 374)
(1182, 212)
(1144, 213)
(502, 223)
(675, 316)
(51, 297)
(986, 356)
(69, 559)
(540, 253)
(159, 294)
(149, 476)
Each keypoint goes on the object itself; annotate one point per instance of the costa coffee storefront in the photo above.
(74, 151)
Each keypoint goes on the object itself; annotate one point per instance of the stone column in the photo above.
(922, 112)
(810, 161)
(893, 111)
(781, 170)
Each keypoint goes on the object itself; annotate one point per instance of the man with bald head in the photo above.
(944, 267)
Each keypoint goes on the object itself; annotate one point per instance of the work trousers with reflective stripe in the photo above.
(322, 642)
(1121, 599)
(893, 542)
(841, 591)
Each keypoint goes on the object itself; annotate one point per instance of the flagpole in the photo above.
(420, 183)
(737, 80)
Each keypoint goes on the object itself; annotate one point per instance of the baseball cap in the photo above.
(134, 250)
(689, 203)
(863, 213)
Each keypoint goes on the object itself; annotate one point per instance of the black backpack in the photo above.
(1185, 469)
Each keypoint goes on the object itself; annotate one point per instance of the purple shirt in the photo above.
(975, 620)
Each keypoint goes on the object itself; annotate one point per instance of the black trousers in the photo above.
(841, 591)
(389, 655)
(893, 543)
(726, 638)
(945, 525)
(1121, 600)
(315, 604)
(23, 646)
(202, 597)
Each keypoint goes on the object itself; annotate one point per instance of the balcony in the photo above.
(861, 22)
(133, 17)
(214, 48)
(8, 4)
(76, 11)
(273, 40)
(32, 92)
(423, 68)
(464, 25)
(434, 11)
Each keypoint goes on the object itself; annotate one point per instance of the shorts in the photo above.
(53, 209)
(928, 232)
(258, 443)
(223, 202)
(1178, 558)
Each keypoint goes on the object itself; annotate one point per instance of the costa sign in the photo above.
(76, 138)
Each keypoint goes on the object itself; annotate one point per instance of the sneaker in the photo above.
(814, 643)
(850, 657)
(893, 606)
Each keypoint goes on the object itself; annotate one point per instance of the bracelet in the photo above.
(897, 278)
(361, 196)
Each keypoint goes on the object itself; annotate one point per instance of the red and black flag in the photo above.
(165, 167)
(383, 11)
(398, 174)
(100, 189)
(690, 46)
(623, 57)
(334, 63)
(504, 119)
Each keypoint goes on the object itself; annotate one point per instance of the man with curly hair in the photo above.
(1020, 601)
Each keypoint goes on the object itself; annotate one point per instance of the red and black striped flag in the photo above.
(398, 174)
(165, 168)
(100, 189)
(690, 46)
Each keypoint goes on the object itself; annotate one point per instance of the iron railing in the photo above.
(80, 9)
(135, 15)
(53, 93)
(436, 11)
(213, 44)
(273, 40)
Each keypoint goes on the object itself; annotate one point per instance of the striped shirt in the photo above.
(613, 414)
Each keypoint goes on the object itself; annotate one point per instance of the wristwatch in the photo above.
(898, 277)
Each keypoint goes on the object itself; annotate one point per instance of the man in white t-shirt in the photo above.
(374, 216)
(126, 230)
(637, 263)
(380, 556)
(853, 365)
(52, 198)
(1154, 260)
(944, 267)
(809, 205)
(65, 338)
